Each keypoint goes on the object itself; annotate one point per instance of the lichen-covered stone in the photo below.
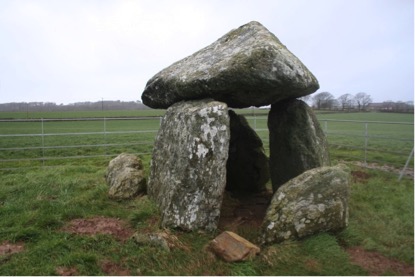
(316, 201)
(247, 167)
(161, 239)
(297, 142)
(125, 177)
(188, 167)
(246, 67)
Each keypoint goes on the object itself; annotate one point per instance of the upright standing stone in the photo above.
(247, 167)
(246, 67)
(297, 143)
(188, 168)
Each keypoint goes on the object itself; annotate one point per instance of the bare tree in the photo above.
(323, 100)
(306, 98)
(362, 100)
(346, 101)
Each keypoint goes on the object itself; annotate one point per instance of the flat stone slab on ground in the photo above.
(233, 248)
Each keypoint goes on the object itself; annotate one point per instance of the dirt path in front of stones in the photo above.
(99, 225)
(376, 264)
(243, 210)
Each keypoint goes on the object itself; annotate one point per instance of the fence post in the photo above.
(43, 142)
(406, 165)
(105, 136)
(366, 141)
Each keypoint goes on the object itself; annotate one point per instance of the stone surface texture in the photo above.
(246, 67)
(297, 142)
(188, 167)
(233, 248)
(161, 239)
(247, 167)
(316, 201)
(125, 177)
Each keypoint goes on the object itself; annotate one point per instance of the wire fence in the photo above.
(49, 142)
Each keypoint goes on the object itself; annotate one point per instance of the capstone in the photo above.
(246, 67)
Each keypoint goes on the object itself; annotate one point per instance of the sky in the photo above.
(92, 50)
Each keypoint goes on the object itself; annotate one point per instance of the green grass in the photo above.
(388, 144)
(36, 204)
(65, 141)
(82, 114)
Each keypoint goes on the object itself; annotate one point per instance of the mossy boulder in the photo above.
(188, 168)
(316, 201)
(246, 67)
(125, 177)
(297, 142)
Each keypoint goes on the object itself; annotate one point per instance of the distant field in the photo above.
(81, 114)
(70, 140)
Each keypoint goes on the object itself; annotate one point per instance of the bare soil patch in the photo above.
(66, 271)
(243, 210)
(113, 269)
(376, 264)
(7, 248)
(409, 172)
(100, 225)
(360, 176)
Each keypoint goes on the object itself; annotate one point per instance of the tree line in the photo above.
(319, 101)
(358, 102)
(79, 106)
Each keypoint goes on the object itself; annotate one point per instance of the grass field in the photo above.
(352, 136)
(37, 203)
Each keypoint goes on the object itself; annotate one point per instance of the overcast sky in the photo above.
(88, 50)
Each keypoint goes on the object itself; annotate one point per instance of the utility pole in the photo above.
(102, 103)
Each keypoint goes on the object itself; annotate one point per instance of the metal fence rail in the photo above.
(43, 142)
(62, 136)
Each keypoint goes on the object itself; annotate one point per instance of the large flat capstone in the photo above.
(246, 67)
(188, 167)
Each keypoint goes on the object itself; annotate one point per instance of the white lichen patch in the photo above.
(285, 235)
(281, 196)
(202, 151)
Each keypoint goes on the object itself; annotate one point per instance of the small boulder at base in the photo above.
(188, 168)
(125, 177)
(297, 142)
(246, 67)
(161, 239)
(233, 248)
(247, 166)
(316, 201)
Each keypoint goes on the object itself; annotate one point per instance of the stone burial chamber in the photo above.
(204, 148)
